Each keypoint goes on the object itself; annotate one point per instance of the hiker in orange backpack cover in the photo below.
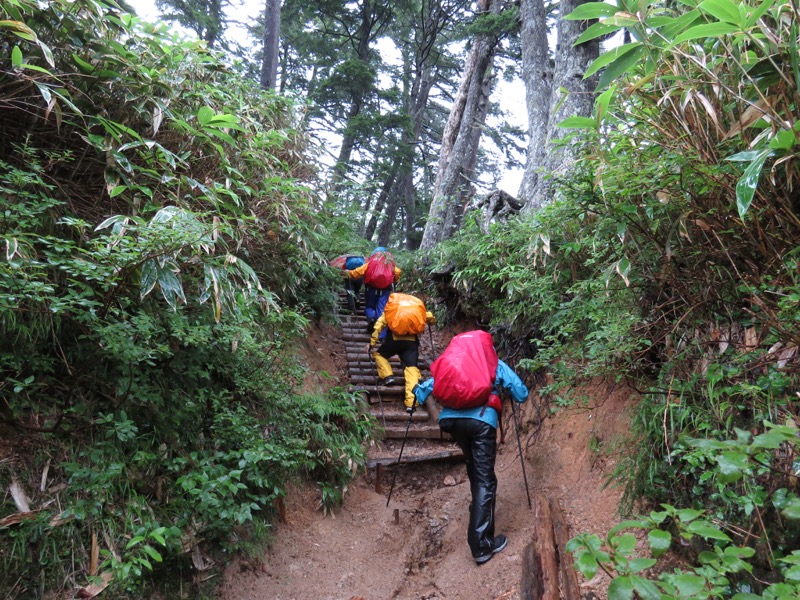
(475, 428)
(380, 272)
(405, 318)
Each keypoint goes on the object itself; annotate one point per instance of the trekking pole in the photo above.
(519, 446)
(380, 400)
(403, 445)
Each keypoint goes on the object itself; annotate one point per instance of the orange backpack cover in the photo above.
(405, 315)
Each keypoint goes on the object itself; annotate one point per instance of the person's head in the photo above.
(379, 249)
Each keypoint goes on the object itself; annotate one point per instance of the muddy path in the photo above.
(416, 547)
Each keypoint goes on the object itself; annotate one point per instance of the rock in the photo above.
(450, 480)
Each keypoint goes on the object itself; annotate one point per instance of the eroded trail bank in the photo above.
(367, 551)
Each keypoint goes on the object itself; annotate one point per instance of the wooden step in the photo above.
(388, 459)
(359, 380)
(394, 413)
(383, 390)
(426, 432)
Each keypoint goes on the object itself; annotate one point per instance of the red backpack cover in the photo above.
(380, 270)
(464, 374)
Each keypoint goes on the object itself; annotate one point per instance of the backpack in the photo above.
(464, 374)
(380, 270)
(405, 315)
(353, 262)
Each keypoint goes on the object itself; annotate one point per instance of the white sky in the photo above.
(510, 95)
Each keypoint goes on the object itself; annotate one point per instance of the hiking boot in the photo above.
(411, 408)
(500, 543)
(386, 381)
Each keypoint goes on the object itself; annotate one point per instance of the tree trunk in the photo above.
(272, 32)
(571, 62)
(537, 73)
(461, 139)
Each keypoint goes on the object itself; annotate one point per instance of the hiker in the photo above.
(380, 273)
(474, 428)
(352, 286)
(405, 318)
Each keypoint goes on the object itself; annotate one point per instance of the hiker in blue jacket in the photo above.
(376, 294)
(475, 432)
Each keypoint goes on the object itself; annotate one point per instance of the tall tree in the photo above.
(424, 61)
(269, 56)
(544, 80)
(460, 140)
(205, 17)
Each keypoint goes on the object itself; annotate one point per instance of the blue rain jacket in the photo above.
(504, 378)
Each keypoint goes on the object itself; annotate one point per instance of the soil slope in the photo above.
(416, 547)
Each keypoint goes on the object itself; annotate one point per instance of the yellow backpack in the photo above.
(405, 315)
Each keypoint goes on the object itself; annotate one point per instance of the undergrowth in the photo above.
(161, 259)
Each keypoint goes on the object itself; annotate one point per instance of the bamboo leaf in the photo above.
(594, 31)
(83, 65)
(170, 285)
(592, 10)
(20, 29)
(149, 278)
(578, 123)
(709, 30)
(601, 104)
(723, 10)
(47, 53)
(678, 25)
(759, 12)
(620, 66)
(748, 182)
(609, 57)
(16, 56)
(751, 115)
(204, 115)
(30, 67)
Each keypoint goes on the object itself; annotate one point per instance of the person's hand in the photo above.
(369, 349)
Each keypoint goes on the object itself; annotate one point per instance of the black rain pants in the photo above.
(478, 441)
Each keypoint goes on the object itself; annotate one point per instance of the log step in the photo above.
(426, 432)
(391, 459)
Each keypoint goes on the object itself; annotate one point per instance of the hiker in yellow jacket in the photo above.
(401, 343)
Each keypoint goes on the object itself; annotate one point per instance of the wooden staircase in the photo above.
(424, 441)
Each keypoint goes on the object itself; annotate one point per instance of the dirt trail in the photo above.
(361, 552)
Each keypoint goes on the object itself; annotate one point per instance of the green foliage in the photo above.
(665, 265)
(739, 62)
(161, 257)
(721, 569)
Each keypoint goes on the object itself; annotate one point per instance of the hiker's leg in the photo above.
(484, 449)
(385, 351)
(383, 366)
(411, 375)
(370, 302)
(409, 358)
(380, 303)
(351, 297)
(478, 441)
